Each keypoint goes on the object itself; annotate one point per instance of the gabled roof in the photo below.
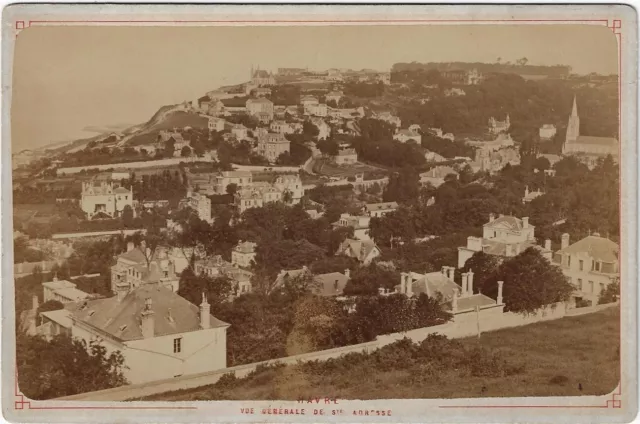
(507, 221)
(359, 249)
(121, 190)
(134, 255)
(599, 248)
(121, 319)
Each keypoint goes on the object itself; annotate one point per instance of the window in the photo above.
(166, 274)
(568, 260)
(177, 345)
(580, 284)
(581, 265)
(598, 265)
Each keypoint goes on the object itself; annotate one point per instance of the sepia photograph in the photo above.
(299, 221)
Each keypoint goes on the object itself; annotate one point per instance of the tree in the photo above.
(611, 293)
(217, 290)
(232, 189)
(328, 147)
(65, 366)
(365, 281)
(127, 216)
(531, 282)
(169, 147)
(484, 267)
(403, 186)
(49, 305)
(309, 129)
(185, 152)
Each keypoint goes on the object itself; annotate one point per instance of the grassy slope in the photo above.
(558, 355)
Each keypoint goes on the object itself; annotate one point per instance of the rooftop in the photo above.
(121, 319)
(599, 248)
(330, 284)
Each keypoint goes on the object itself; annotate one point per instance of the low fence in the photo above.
(465, 325)
(127, 232)
(256, 168)
(130, 165)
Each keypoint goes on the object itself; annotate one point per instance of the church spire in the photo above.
(574, 112)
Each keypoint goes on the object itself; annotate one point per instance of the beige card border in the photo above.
(618, 406)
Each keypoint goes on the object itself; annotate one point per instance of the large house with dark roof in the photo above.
(590, 264)
(160, 334)
(504, 236)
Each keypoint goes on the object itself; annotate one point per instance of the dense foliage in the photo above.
(65, 366)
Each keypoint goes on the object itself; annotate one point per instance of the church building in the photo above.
(588, 148)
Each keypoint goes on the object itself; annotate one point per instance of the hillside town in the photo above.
(304, 210)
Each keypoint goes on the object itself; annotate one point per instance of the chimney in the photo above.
(499, 299)
(450, 272)
(454, 301)
(444, 271)
(492, 217)
(129, 246)
(122, 289)
(347, 273)
(525, 222)
(403, 284)
(34, 302)
(147, 320)
(205, 313)
(470, 283)
(564, 243)
(408, 285)
(547, 244)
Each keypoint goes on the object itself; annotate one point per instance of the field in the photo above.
(330, 169)
(571, 356)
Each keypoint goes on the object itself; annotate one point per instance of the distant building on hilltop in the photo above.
(262, 78)
(497, 127)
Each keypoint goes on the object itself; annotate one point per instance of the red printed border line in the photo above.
(614, 24)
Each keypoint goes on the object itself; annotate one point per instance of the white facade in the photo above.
(216, 124)
(104, 199)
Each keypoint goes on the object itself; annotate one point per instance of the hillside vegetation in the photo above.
(562, 357)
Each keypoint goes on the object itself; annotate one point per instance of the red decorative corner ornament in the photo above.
(615, 25)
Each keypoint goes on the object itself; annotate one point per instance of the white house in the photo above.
(160, 334)
(239, 131)
(323, 128)
(406, 135)
(376, 210)
(346, 157)
(104, 200)
(504, 236)
(243, 254)
(547, 131)
(216, 124)
(63, 291)
(360, 225)
(590, 264)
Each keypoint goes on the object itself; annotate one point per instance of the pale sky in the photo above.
(69, 78)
